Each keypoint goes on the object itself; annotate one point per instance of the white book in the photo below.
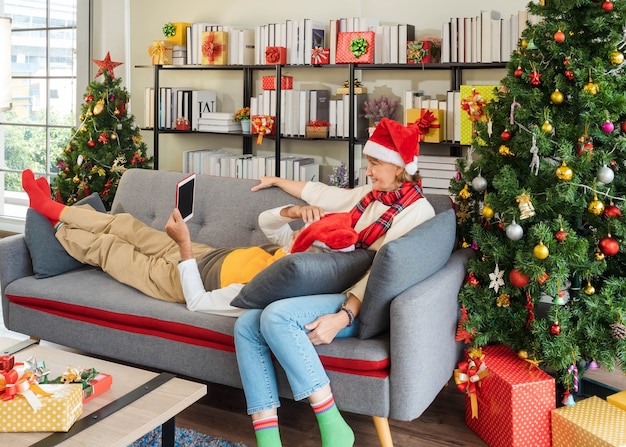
(310, 172)
(202, 102)
(474, 37)
(299, 162)
(457, 115)
(333, 29)
(332, 118)
(232, 44)
(514, 32)
(386, 53)
(505, 39)
(220, 128)
(445, 43)
(295, 114)
(393, 44)
(266, 102)
(314, 35)
(487, 19)
(303, 115)
(340, 127)
(378, 44)
(246, 47)
(468, 38)
(216, 121)
(148, 108)
(522, 22)
(496, 39)
(301, 41)
(449, 121)
(289, 39)
(461, 39)
(454, 40)
(270, 165)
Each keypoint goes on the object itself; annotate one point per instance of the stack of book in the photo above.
(221, 122)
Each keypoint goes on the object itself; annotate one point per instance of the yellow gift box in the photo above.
(214, 48)
(57, 412)
(161, 52)
(592, 422)
(618, 399)
(180, 38)
(430, 121)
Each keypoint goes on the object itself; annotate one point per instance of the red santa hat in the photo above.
(394, 143)
(332, 231)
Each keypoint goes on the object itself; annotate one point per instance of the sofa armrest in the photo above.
(422, 346)
(15, 262)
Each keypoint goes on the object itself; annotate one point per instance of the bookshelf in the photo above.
(248, 73)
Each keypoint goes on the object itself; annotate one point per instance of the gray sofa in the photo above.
(396, 374)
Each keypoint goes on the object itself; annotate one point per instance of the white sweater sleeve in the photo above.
(199, 300)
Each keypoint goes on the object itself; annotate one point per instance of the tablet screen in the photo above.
(185, 191)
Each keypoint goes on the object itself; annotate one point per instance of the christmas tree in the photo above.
(106, 143)
(540, 196)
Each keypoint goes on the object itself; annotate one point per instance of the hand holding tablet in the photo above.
(185, 194)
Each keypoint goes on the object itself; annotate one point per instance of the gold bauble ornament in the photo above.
(564, 172)
(505, 151)
(596, 206)
(589, 289)
(465, 193)
(114, 136)
(541, 251)
(547, 127)
(598, 256)
(591, 87)
(557, 97)
(83, 129)
(522, 354)
(617, 57)
(76, 179)
(99, 107)
(488, 212)
(524, 43)
(89, 113)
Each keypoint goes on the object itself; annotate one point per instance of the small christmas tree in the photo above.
(541, 198)
(106, 143)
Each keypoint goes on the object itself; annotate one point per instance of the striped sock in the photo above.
(266, 432)
(334, 430)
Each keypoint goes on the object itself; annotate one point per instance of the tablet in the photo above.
(185, 192)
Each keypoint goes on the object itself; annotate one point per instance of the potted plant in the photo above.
(377, 109)
(243, 116)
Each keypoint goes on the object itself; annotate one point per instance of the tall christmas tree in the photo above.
(106, 143)
(540, 196)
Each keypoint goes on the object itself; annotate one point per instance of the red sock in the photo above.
(39, 200)
(44, 185)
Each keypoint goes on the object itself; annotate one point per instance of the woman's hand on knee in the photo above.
(324, 329)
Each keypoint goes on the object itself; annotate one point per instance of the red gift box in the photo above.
(514, 402)
(97, 385)
(418, 52)
(269, 82)
(319, 56)
(276, 55)
(355, 47)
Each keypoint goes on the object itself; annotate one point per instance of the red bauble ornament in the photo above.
(91, 143)
(569, 74)
(612, 211)
(505, 135)
(559, 36)
(518, 72)
(89, 98)
(555, 329)
(607, 6)
(623, 126)
(518, 279)
(560, 235)
(608, 246)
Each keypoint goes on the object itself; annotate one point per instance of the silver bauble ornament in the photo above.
(479, 183)
(605, 175)
(514, 231)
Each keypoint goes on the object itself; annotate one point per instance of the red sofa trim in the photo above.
(182, 333)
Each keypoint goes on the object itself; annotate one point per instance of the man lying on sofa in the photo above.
(154, 261)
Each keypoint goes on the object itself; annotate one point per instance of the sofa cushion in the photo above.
(307, 273)
(403, 263)
(48, 255)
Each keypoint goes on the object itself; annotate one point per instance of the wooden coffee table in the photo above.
(106, 420)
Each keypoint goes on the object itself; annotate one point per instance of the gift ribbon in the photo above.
(425, 121)
(358, 46)
(18, 381)
(467, 378)
(319, 55)
(157, 51)
(211, 49)
(263, 125)
(272, 55)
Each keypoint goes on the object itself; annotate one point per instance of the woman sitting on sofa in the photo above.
(387, 208)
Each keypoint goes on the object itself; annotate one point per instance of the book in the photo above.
(314, 35)
(310, 172)
(203, 101)
(487, 20)
(220, 128)
(406, 32)
(319, 105)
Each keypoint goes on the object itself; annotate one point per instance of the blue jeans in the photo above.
(279, 329)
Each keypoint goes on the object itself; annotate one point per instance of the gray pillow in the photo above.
(300, 274)
(401, 264)
(48, 255)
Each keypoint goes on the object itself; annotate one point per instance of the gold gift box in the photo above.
(346, 90)
(317, 131)
(180, 38)
(214, 48)
(161, 52)
(435, 132)
(57, 412)
(618, 399)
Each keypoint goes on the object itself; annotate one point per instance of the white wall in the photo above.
(146, 17)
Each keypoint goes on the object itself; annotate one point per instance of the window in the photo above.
(44, 93)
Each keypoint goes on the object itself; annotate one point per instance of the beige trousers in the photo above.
(130, 251)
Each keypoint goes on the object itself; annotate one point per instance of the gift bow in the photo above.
(319, 55)
(157, 50)
(358, 46)
(19, 381)
(467, 378)
(416, 52)
(212, 49)
(263, 125)
(272, 55)
(425, 122)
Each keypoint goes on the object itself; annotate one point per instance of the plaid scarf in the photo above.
(397, 200)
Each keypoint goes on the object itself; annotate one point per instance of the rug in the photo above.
(185, 437)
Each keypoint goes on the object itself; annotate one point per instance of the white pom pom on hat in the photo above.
(394, 143)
